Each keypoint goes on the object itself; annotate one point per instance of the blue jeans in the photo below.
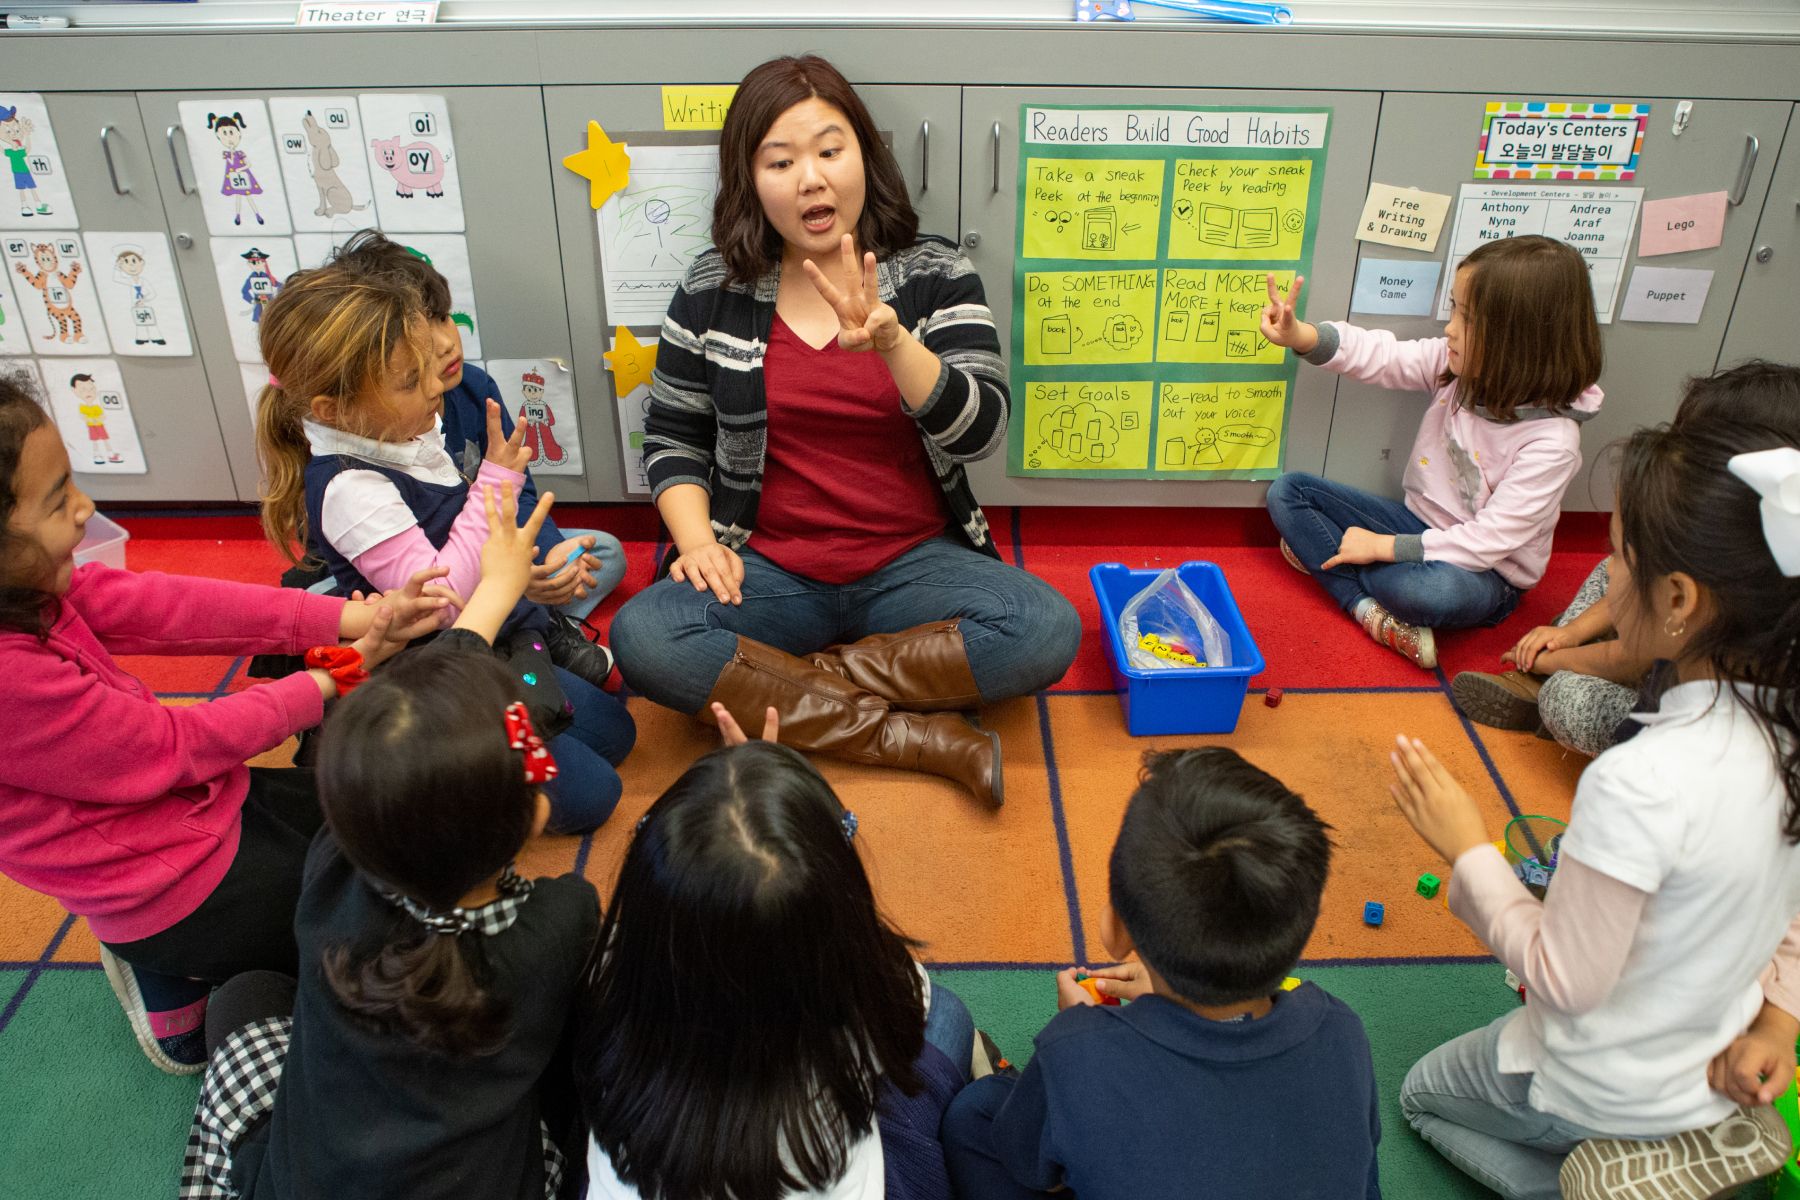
(1482, 1121)
(950, 1028)
(1020, 633)
(976, 1171)
(608, 569)
(587, 786)
(1312, 515)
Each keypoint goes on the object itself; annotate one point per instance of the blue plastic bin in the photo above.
(1181, 699)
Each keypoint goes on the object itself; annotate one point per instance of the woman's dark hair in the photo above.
(1217, 874)
(1532, 338)
(1681, 509)
(426, 797)
(23, 608)
(750, 1000)
(741, 230)
(1752, 393)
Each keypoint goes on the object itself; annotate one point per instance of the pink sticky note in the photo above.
(1682, 223)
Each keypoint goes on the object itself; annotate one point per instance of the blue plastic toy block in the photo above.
(1372, 913)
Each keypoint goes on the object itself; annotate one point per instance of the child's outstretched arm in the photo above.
(505, 561)
(1373, 356)
(1569, 949)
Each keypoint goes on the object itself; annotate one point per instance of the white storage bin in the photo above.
(104, 542)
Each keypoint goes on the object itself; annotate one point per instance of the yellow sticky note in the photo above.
(1087, 426)
(1204, 427)
(1105, 208)
(1239, 209)
(696, 105)
(630, 361)
(1076, 318)
(604, 164)
(1215, 316)
(1395, 216)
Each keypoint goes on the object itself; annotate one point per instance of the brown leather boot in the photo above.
(825, 712)
(922, 669)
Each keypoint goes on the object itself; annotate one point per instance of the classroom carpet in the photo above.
(1000, 900)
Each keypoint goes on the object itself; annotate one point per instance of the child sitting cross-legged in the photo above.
(1212, 1079)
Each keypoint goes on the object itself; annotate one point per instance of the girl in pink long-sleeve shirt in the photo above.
(144, 819)
(1510, 383)
(1662, 968)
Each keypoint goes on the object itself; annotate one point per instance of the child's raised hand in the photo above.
(1280, 325)
(507, 555)
(733, 735)
(417, 608)
(503, 451)
(1442, 812)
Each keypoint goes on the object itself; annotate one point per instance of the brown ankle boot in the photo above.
(825, 712)
(922, 669)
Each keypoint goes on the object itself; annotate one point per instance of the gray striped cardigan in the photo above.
(708, 416)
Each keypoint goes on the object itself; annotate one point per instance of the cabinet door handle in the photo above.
(1747, 168)
(112, 169)
(175, 158)
(996, 158)
(924, 157)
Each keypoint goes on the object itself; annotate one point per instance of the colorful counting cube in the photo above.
(1372, 913)
(1428, 885)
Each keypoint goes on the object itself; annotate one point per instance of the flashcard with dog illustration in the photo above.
(323, 161)
(412, 159)
(54, 288)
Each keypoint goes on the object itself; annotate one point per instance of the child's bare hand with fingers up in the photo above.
(503, 451)
(506, 559)
(1281, 326)
(1442, 812)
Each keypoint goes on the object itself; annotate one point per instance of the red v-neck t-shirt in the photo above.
(847, 487)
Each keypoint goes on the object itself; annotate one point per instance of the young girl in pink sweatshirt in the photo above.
(141, 818)
(1510, 382)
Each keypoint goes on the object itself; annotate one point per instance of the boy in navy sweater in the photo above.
(1211, 1081)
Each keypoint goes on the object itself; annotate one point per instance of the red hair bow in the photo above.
(540, 765)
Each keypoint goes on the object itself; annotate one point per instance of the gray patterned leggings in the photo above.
(1583, 712)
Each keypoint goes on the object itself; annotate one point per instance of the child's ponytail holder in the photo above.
(1775, 476)
(540, 764)
(343, 663)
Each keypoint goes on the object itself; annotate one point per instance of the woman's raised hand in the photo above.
(1280, 325)
(864, 322)
(503, 451)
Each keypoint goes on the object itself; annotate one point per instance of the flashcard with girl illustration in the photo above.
(232, 148)
(51, 278)
(139, 293)
(39, 196)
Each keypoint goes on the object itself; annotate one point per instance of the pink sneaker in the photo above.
(1412, 642)
(1293, 560)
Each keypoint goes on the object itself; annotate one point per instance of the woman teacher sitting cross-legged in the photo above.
(823, 374)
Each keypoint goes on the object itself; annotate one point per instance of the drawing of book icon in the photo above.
(1056, 335)
(1218, 225)
(1098, 229)
(1208, 330)
(1256, 228)
(1175, 329)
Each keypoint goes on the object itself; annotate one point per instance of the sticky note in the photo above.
(1670, 295)
(1397, 216)
(696, 105)
(1399, 287)
(1682, 223)
(630, 360)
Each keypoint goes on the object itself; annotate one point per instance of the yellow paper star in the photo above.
(630, 361)
(604, 164)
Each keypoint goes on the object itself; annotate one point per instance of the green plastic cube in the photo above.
(1429, 884)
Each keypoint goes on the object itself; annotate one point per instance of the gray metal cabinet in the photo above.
(510, 227)
(1428, 140)
(990, 148)
(171, 402)
(921, 124)
(1762, 321)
